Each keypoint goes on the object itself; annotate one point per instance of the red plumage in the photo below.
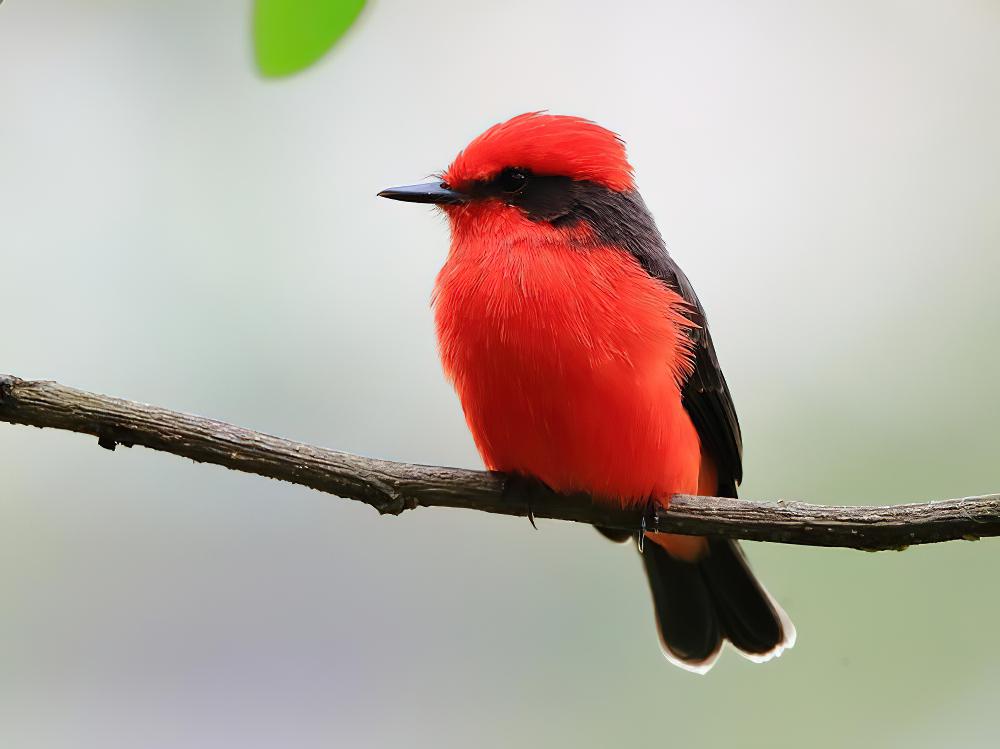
(581, 357)
(547, 144)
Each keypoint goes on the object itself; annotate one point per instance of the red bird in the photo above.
(582, 358)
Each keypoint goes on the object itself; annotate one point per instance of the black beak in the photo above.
(430, 192)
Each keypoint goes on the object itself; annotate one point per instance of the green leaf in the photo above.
(290, 35)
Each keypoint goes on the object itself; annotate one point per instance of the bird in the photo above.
(583, 361)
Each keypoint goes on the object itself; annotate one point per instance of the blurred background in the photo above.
(176, 229)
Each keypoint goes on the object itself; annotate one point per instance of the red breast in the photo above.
(568, 362)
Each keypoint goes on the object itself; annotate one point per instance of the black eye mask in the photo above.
(541, 198)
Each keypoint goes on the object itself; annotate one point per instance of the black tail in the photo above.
(701, 604)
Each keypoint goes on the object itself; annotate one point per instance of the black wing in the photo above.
(706, 394)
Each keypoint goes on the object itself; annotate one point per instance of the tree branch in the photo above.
(394, 487)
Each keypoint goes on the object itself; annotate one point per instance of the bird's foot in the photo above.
(520, 488)
(647, 523)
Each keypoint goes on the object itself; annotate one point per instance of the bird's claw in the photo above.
(521, 488)
(647, 522)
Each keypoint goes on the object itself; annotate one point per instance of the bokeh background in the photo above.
(177, 230)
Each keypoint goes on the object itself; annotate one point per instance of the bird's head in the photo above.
(533, 172)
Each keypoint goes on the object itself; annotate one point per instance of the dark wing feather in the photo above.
(706, 394)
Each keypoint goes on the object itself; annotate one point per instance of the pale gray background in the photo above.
(176, 230)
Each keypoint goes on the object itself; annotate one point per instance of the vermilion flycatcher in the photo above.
(582, 358)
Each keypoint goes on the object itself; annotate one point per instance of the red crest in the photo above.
(546, 144)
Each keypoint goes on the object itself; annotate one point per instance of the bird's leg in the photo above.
(648, 521)
(523, 488)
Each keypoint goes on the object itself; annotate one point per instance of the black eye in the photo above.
(512, 180)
